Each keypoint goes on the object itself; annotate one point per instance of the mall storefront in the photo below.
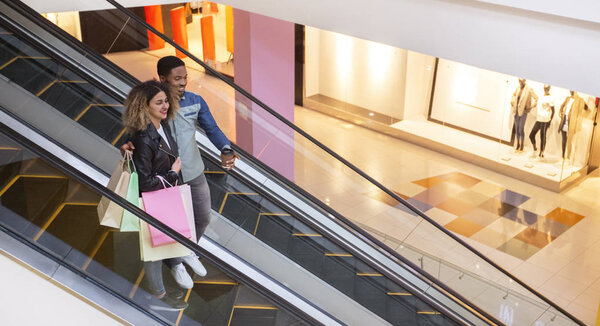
(540, 134)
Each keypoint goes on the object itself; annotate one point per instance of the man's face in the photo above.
(177, 80)
(522, 82)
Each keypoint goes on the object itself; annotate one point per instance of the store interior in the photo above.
(462, 110)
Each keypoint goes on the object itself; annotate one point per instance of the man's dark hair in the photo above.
(166, 64)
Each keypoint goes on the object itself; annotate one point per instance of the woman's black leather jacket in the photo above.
(152, 157)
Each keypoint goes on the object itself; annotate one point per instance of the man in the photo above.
(193, 110)
(523, 100)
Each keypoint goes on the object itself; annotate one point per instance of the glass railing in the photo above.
(56, 212)
(55, 83)
(339, 185)
(237, 202)
(356, 195)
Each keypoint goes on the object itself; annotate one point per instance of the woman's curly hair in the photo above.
(136, 116)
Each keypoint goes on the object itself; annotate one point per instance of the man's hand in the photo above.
(127, 147)
(228, 160)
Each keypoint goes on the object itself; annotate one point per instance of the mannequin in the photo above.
(545, 114)
(523, 100)
(570, 110)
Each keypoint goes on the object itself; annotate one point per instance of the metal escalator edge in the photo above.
(336, 231)
(66, 48)
(422, 284)
(389, 192)
(207, 249)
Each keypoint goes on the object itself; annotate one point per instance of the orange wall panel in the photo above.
(208, 38)
(155, 19)
(179, 29)
(229, 28)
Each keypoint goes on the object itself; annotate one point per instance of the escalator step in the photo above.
(252, 316)
(31, 74)
(11, 47)
(118, 254)
(307, 252)
(74, 227)
(368, 293)
(209, 304)
(34, 199)
(339, 272)
(10, 165)
(102, 122)
(275, 230)
(67, 97)
(242, 209)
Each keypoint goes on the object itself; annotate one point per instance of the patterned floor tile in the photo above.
(472, 197)
(490, 238)
(428, 182)
(487, 189)
(518, 248)
(538, 206)
(440, 216)
(564, 216)
(463, 226)
(546, 225)
(481, 217)
(463, 180)
(495, 206)
(511, 197)
(522, 216)
(455, 206)
(448, 188)
(534, 237)
(431, 197)
(507, 227)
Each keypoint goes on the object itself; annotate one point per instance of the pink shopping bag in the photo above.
(166, 205)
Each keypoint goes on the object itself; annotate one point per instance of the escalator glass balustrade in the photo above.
(75, 97)
(58, 214)
(65, 90)
(325, 178)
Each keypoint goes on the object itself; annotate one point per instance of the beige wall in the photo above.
(363, 73)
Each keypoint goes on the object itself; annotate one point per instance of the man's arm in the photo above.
(215, 135)
(209, 125)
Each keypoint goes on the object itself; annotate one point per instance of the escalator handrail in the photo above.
(389, 192)
(212, 259)
(36, 41)
(67, 38)
(65, 60)
(413, 268)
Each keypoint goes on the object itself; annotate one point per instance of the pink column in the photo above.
(264, 66)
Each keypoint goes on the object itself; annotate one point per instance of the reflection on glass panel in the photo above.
(341, 188)
(354, 79)
(59, 215)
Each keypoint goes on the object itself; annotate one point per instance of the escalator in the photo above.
(232, 199)
(343, 261)
(51, 207)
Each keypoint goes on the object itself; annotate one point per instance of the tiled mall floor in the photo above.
(549, 240)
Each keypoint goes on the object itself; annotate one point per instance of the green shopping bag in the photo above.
(130, 222)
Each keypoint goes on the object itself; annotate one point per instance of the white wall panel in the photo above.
(501, 38)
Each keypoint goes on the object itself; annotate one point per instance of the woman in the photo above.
(148, 108)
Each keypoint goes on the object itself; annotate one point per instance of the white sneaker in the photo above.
(182, 277)
(195, 264)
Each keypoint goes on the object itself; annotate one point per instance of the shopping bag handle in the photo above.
(128, 157)
(163, 181)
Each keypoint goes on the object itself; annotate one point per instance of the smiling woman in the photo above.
(148, 108)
